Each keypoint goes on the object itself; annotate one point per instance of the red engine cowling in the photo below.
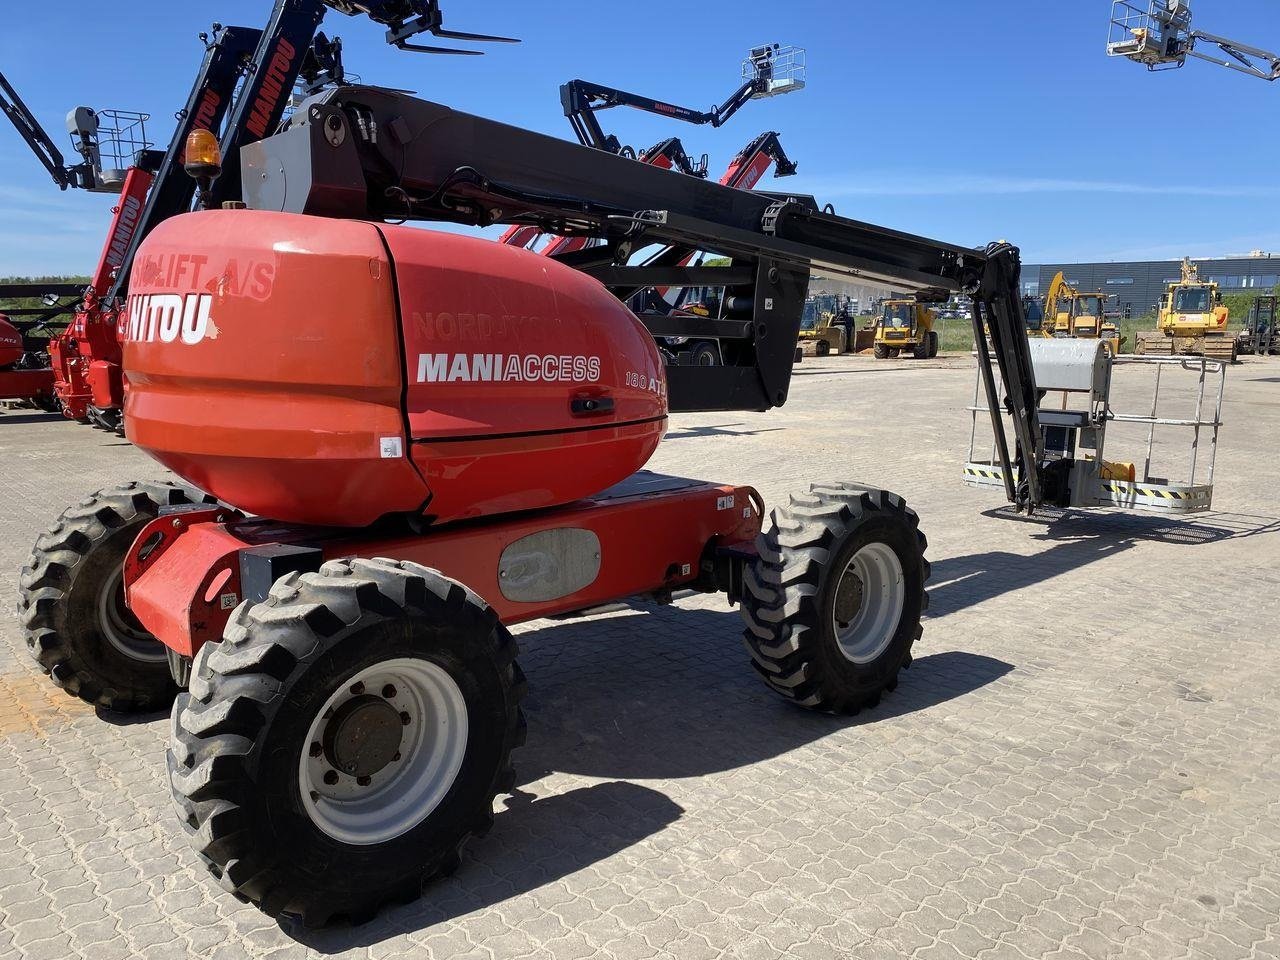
(333, 371)
(11, 349)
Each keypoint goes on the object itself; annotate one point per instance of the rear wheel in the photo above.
(833, 605)
(880, 351)
(345, 738)
(934, 343)
(71, 600)
(705, 355)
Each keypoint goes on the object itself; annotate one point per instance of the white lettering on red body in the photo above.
(501, 368)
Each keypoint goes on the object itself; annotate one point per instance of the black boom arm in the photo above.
(367, 153)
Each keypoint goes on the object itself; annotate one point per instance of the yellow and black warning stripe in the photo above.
(1157, 493)
(988, 474)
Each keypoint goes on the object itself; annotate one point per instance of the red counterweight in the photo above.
(11, 346)
(333, 372)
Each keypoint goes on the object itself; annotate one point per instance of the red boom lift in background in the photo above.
(242, 91)
(768, 71)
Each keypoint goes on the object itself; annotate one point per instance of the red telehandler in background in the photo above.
(243, 88)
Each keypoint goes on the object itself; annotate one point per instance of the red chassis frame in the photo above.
(26, 384)
(655, 535)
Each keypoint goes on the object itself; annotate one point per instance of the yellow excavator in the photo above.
(1070, 313)
(905, 326)
(1192, 320)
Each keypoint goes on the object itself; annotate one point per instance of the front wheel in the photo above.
(71, 600)
(880, 351)
(345, 738)
(832, 606)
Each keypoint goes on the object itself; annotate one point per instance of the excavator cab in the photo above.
(1192, 300)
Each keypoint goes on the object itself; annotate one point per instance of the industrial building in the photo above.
(1136, 286)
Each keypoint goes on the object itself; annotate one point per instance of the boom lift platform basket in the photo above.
(1075, 470)
(784, 72)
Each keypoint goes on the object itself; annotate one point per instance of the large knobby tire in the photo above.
(271, 760)
(880, 351)
(833, 605)
(71, 600)
(935, 343)
(705, 355)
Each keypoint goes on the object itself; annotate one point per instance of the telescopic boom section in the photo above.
(366, 153)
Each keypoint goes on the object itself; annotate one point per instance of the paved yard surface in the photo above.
(1081, 763)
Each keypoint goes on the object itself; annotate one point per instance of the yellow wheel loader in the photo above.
(1193, 321)
(829, 325)
(906, 326)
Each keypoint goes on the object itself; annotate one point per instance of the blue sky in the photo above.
(967, 121)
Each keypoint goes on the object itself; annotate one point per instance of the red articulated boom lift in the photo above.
(768, 71)
(86, 356)
(417, 439)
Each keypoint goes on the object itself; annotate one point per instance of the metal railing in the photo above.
(1204, 368)
(788, 67)
(122, 134)
(1143, 35)
(1206, 371)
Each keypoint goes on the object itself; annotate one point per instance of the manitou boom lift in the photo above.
(482, 430)
(242, 91)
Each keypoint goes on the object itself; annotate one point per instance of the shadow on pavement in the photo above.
(1077, 538)
(652, 693)
(129, 719)
(35, 416)
(716, 430)
(533, 843)
(668, 692)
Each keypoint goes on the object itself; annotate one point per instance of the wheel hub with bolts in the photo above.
(383, 751)
(363, 735)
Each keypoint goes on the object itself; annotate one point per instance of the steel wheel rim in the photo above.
(406, 791)
(874, 574)
(121, 628)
